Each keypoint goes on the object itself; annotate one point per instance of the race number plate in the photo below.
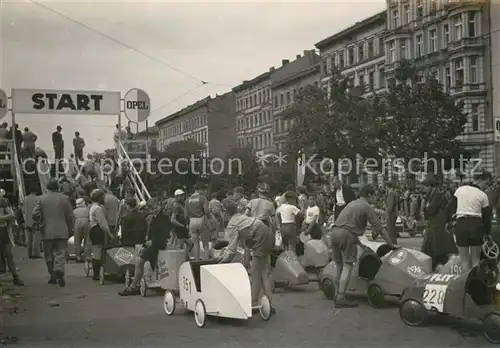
(434, 297)
(124, 256)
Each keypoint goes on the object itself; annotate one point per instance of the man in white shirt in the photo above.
(287, 221)
(473, 215)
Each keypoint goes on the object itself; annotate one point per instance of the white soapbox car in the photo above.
(379, 271)
(165, 273)
(208, 288)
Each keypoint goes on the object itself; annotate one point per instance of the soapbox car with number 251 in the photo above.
(208, 288)
(470, 295)
(379, 271)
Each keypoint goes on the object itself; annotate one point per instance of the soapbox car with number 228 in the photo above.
(470, 295)
(379, 271)
(208, 288)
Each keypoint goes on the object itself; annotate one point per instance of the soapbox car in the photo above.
(379, 271)
(117, 262)
(165, 273)
(288, 270)
(471, 295)
(211, 289)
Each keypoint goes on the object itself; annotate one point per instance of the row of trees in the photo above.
(411, 118)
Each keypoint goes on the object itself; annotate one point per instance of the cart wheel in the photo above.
(143, 288)
(128, 277)
(412, 312)
(86, 268)
(375, 296)
(328, 288)
(491, 328)
(265, 308)
(200, 313)
(102, 276)
(169, 302)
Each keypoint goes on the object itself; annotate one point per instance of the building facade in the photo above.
(254, 119)
(286, 82)
(357, 52)
(210, 122)
(447, 40)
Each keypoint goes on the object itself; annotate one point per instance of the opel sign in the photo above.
(137, 105)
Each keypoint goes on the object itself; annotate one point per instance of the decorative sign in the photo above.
(3, 104)
(290, 259)
(441, 278)
(164, 271)
(456, 269)
(124, 256)
(33, 101)
(415, 271)
(434, 296)
(398, 257)
(137, 105)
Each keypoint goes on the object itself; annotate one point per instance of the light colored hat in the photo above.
(142, 204)
(178, 192)
(80, 202)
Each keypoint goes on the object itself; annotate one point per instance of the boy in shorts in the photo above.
(197, 212)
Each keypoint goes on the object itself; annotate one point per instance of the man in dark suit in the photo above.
(343, 195)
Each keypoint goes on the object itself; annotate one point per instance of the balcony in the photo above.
(466, 42)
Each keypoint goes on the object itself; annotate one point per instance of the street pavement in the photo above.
(86, 314)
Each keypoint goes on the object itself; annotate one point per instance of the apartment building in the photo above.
(358, 52)
(254, 119)
(448, 40)
(286, 82)
(209, 121)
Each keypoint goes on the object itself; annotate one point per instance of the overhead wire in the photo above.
(119, 42)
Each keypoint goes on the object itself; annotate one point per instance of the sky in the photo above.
(167, 49)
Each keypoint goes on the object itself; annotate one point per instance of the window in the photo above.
(361, 81)
(446, 34)
(402, 49)
(350, 56)
(282, 99)
(435, 73)
(381, 45)
(474, 78)
(472, 23)
(255, 99)
(381, 77)
(395, 18)
(447, 72)
(250, 104)
(261, 119)
(246, 102)
(420, 9)
(392, 52)
(341, 60)
(475, 117)
(420, 46)
(457, 25)
(432, 40)
(288, 98)
(361, 53)
(407, 19)
(433, 6)
(420, 76)
(371, 80)
(259, 98)
(370, 49)
(459, 72)
(275, 101)
(237, 105)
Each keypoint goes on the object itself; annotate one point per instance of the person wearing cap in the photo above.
(81, 230)
(254, 234)
(180, 231)
(32, 234)
(474, 214)
(438, 243)
(54, 214)
(197, 213)
(262, 208)
(58, 144)
(343, 238)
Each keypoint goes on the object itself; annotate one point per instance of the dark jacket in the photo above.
(437, 241)
(348, 194)
(159, 230)
(57, 140)
(134, 228)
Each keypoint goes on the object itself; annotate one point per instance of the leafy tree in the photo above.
(338, 124)
(179, 165)
(242, 168)
(420, 118)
